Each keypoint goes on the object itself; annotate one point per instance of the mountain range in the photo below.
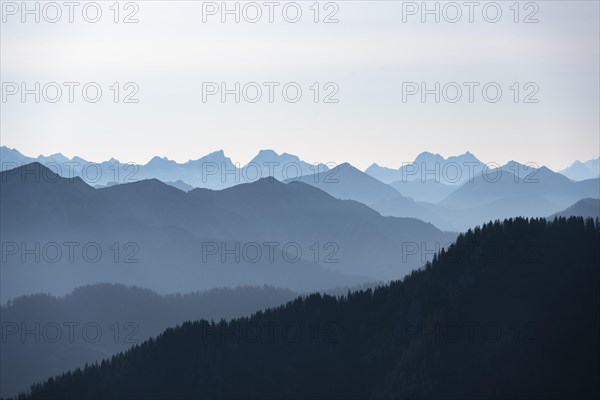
(156, 236)
(428, 166)
(579, 171)
(510, 190)
(508, 311)
(323, 229)
(213, 171)
(217, 171)
(452, 193)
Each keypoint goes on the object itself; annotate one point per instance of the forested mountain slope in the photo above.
(509, 310)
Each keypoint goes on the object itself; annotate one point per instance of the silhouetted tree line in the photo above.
(509, 310)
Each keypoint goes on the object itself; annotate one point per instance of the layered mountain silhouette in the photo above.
(429, 191)
(156, 236)
(299, 228)
(349, 183)
(511, 190)
(579, 171)
(67, 326)
(280, 166)
(213, 171)
(431, 188)
(429, 166)
(181, 185)
(509, 311)
(587, 208)
(517, 180)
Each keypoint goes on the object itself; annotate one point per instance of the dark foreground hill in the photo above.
(509, 310)
(43, 335)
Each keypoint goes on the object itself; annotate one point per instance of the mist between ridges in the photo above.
(332, 252)
(326, 332)
(71, 252)
(261, 252)
(113, 172)
(203, 252)
(70, 332)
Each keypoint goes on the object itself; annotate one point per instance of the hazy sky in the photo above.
(370, 55)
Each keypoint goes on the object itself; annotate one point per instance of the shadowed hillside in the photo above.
(44, 335)
(510, 310)
(587, 208)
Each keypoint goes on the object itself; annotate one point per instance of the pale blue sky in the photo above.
(368, 54)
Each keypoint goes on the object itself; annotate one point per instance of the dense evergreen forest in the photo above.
(510, 310)
(44, 335)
